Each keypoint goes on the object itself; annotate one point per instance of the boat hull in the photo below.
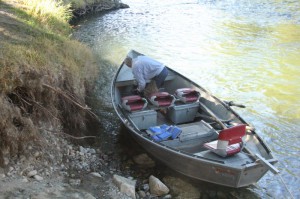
(198, 168)
(192, 159)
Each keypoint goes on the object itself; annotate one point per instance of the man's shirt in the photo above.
(144, 69)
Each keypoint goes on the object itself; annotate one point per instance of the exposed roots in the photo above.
(72, 99)
(33, 102)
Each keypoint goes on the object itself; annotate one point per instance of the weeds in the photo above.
(48, 14)
(35, 51)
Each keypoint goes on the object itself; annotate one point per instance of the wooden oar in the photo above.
(266, 163)
(212, 115)
(231, 103)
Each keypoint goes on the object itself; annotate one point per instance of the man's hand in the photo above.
(136, 91)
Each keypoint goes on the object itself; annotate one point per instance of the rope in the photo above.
(282, 181)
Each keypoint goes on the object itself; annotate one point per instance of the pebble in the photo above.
(32, 173)
(141, 194)
(36, 154)
(82, 150)
(146, 187)
(24, 180)
(102, 173)
(157, 187)
(96, 174)
(92, 151)
(38, 178)
(75, 182)
(6, 161)
(10, 169)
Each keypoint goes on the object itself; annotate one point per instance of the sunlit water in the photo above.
(247, 51)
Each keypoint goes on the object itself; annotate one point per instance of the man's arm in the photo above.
(138, 75)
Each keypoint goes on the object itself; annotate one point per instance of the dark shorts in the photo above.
(159, 79)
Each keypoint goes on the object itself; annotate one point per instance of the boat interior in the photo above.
(199, 120)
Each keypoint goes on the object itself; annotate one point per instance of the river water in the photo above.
(247, 51)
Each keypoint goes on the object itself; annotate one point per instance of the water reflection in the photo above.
(245, 51)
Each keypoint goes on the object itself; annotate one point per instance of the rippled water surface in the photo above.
(240, 50)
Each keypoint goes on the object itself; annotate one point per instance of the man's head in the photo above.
(128, 61)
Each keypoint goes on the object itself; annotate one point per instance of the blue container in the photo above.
(165, 135)
(175, 131)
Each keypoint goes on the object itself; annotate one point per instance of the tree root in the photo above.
(74, 137)
(84, 107)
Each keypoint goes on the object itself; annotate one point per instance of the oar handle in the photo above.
(265, 162)
(231, 103)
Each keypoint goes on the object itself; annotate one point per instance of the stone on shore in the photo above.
(144, 160)
(157, 187)
(180, 186)
(32, 173)
(125, 185)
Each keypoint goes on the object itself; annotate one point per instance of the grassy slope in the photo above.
(43, 75)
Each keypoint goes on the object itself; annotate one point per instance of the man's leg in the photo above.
(150, 88)
(159, 79)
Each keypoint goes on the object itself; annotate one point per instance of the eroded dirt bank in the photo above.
(45, 119)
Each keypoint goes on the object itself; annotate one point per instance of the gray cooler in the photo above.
(183, 113)
(144, 119)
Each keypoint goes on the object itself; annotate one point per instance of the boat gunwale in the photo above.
(135, 131)
(261, 141)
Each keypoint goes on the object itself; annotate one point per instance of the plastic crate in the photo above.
(183, 113)
(144, 119)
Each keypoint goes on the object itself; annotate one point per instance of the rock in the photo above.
(146, 187)
(179, 188)
(74, 182)
(24, 180)
(144, 160)
(95, 174)
(82, 149)
(37, 154)
(102, 173)
(38, 178)
(22, 158)
(141, 194)
(92, 151)
(6, 161)
(32, 173)
(123, 5)
(167, 196)
(157, 187)
(125, 185)
(10, 169)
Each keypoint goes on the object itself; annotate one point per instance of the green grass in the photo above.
(36, 50)
(39, 39)
(50, 15)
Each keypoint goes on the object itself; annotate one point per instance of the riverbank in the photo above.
(47, 128)
(45, 79)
